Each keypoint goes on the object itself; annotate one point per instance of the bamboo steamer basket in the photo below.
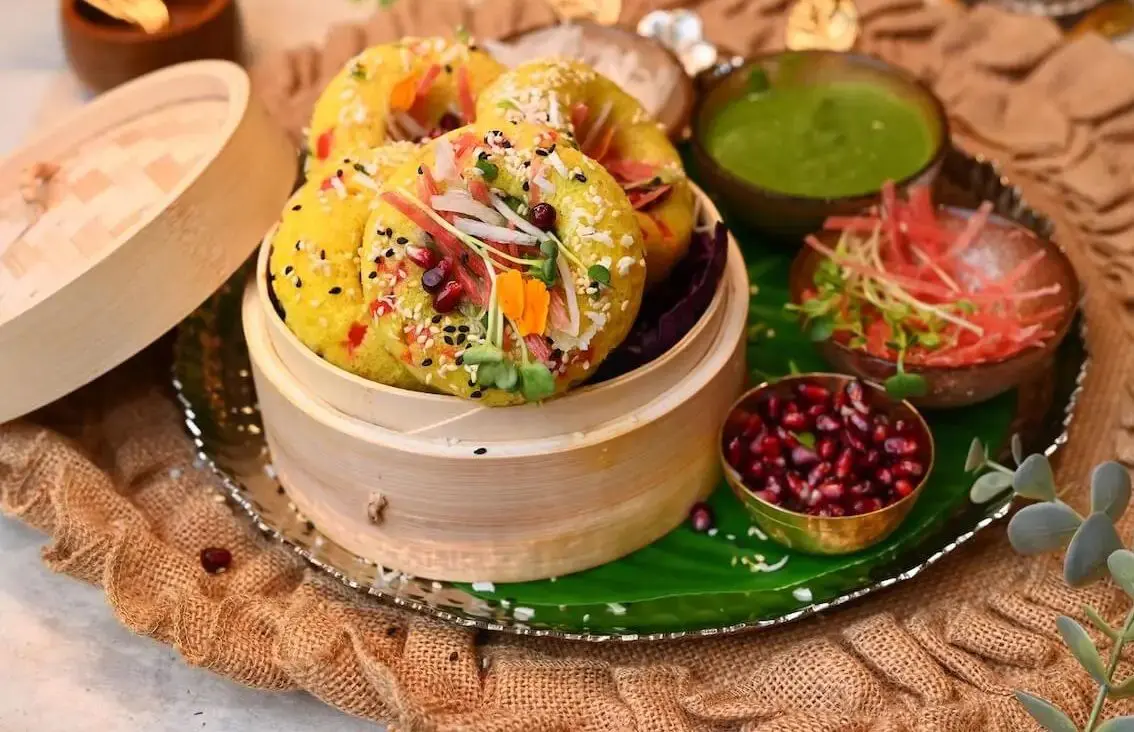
(150, 197)
(438, 487)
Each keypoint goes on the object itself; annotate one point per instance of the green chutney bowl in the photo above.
(786, 216)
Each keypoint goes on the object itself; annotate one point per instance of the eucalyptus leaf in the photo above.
(1047, 714)
(1082, 647)
(1118, 724)
(1122, 689)
(1042, 527)
(1089, 549)
(1034, 479)
(1099, 623)
(976, 457)
(989, 486)
(1121, 566)
(1017, 448)
(1110, 489)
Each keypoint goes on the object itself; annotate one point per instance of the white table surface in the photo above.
(66, 663)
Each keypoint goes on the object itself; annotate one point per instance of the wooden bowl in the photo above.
(105, 52)
(785, 216)
(164, 187)
(508, 494)
(1001, 246)
(830, 534)
(675, 112)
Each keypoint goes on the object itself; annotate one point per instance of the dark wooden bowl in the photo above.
(105, 52)
(1001, 246)
(784, 216)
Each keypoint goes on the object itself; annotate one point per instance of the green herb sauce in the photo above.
(827, 140)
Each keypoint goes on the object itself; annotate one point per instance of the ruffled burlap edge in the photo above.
(108, 474)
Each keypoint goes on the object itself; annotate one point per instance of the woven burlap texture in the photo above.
(108, 473)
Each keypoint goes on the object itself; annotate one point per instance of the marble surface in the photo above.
(66, 663)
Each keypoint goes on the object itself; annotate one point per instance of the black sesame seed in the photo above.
(472, 383)
(309, 526)
(389, 232)
(460, 338)
(476, 394)
(346, 161)
(322, 254)
(435, 319)
(421, 170)
(298, 246)
(527, 163)
(461, 360)
(279, 489)
(335, 290)
(339, 172)
(372, 275)
(449, 328)
(296, 207)
(360, 168)
(298, 283)
(402, 240)
(427, 363)
(483, 155)
(448, 68)
(389, 252)
(463, 328)
(480, 451)
(527, 186)
(580, 177)
(541, 152)
(288, 269)
(449, 341)
(551, 149)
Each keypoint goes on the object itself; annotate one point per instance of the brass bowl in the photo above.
(1002, 245)
(822, 534)
(786, 216)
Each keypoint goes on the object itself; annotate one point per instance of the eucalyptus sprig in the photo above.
(1093, 549)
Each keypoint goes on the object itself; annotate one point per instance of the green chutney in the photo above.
(821, 141)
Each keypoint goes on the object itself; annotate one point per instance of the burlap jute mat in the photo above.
(107, 473)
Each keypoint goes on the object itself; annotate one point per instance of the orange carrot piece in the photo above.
(465, 95)
(510, 294)
(403, 93)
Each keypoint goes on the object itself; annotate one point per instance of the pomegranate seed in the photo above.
(859, 422)
(818, 473)
(836, 510)
(827, 448)
(840, 400)
(796, 484)
(701, 516)
(845, 464)
(786, 438)
(791, 407)
(753, 426)
(833, 491)
(776, 464)
(542, 216)
(772, 407)
(215, 560)
(902, 427)
(813, 393)
(432, 279)
(884, 476)
(422, 257)
(815, 410)
(448, 297)
(854, 391)
(854, 440)
(899, 446)
(771, 498)
(861, 489)
(769, 446)
(870, 458)
(795, 420)
(908, 469)
(880, 434)
(734, 452)
(773, 485)
(827, 423)
(813, 498)
(802, 456)
(903, 487)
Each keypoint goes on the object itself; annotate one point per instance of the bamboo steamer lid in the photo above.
(126, 216)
